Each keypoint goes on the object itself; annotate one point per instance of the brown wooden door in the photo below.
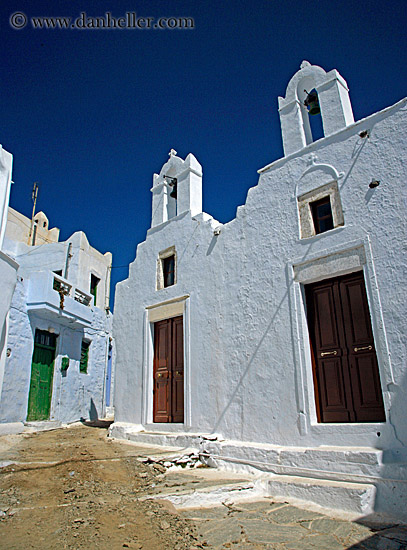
(168, 371)
(345, 364)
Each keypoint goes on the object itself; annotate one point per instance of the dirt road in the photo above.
(74, 488)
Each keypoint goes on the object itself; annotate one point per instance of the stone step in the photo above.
(163, 439)
(205, 487)
(358, 498)
(42, 425)
(325, 462)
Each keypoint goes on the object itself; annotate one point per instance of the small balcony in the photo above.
(53, 297)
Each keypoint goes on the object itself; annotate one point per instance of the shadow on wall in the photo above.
(392, 492)
(249, 364)
(3, 337)
(93, 413)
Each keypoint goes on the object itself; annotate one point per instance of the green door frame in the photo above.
(42, 374)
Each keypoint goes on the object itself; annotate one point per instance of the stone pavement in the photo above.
(229, 512)
(268, 525)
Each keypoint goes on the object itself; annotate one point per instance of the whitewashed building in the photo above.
(281, 333)
(8, 267)
(59, 344)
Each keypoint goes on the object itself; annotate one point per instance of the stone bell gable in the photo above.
(177, 189)
(333, 96)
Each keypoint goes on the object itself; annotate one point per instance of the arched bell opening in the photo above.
(172, 195)
(312, 105)
(310, 110)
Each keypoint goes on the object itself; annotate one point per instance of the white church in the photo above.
(275, 343)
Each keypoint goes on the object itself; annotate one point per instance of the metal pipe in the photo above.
(68, 259)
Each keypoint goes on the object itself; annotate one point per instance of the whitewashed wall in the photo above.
(8, 280)
(75, 395)
(247, 372)
(8, 267)
(249, 368)
(85, 260)
(19, 228)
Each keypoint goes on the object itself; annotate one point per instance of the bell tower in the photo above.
(332, 94)
(177, 189)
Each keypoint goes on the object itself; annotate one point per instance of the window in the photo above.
(83, 366)
(322, 215)
(320, 210)
(167, 268)
(94, 281)
(45, 338)
(169, 271)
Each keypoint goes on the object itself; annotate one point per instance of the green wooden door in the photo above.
(42, 371)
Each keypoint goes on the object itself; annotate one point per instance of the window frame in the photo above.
(93, 289)
(305, 214)
(84, 361)
(163, 258)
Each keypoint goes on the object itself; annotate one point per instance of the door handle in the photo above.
(178, 372)
(324, 353)
(363, 348)
(159, 375)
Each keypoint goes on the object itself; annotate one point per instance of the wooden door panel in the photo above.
(327, 332)
(332, 391)
(161, 391)
(161, 412)
(178, 371)
(364, 370)
(356, 312)
(178, 343)
(331, 380)
(367, 391)
(344, 356)
(162, 346)
(42, 370)
(168, 371)
(327, 352)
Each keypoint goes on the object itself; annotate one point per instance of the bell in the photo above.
(311, 101)
(172, 182)
(173, 193)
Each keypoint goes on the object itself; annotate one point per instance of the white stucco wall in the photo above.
(6, 163)
(8, 280)
(84, 261)
(35, 305)
(240, 287)
(75, 395)
(8, 267)
(19, 228)
(250, 375)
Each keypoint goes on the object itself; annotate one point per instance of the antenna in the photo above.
(34, 199)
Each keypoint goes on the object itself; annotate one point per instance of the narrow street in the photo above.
(75, 488)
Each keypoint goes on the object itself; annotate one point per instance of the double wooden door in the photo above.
(346, 373)
(168, 371)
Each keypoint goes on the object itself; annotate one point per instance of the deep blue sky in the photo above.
(92, 114)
